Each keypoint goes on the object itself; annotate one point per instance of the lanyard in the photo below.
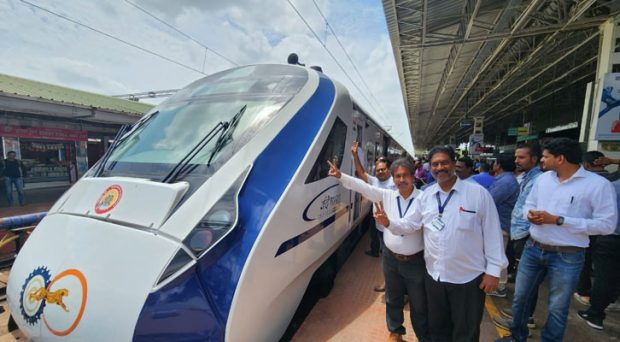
(440, 206)
(400, 212)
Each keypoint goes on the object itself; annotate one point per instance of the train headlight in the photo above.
(218, 221)
(213, 227)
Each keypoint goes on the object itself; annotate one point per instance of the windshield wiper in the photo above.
(182, 164)
(224, 129)
(227, 135)
(123, 133)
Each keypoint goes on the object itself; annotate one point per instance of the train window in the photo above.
(248, 96)
(333, 149)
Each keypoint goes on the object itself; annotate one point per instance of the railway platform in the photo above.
(353, 311)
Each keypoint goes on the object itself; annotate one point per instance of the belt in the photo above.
(560, 249)
(404, 258)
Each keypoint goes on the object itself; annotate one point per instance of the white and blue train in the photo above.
(206, 220)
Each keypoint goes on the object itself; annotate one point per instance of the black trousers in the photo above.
(606, 258)
(405, 277)
(584, 286)
(455, 310)
(376, 237)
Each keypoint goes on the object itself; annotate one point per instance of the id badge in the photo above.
(438, 224)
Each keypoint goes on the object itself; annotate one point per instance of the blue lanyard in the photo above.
(440, 206)
(400, 212)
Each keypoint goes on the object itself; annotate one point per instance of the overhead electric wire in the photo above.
(114, 37)
(329, 26)
(331, 54)
(182, 33)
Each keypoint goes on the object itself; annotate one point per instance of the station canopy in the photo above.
(460, 59)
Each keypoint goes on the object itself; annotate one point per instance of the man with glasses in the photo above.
(463, 248)
(403, 260)
(383, 180)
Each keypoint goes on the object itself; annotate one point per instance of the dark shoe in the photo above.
(502, 293)
(380, 288)
(372, 254)
(596, 323)
(530, 323)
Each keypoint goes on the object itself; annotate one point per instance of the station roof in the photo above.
(11, 85)
(459, 59)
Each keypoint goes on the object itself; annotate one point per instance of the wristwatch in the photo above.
(560, 220)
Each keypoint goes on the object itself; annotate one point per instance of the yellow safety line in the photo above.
(494, 313)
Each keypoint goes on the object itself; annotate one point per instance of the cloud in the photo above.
(37, 45)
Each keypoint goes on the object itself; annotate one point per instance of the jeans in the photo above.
(19, 186)
(405, 277)
(563, 270)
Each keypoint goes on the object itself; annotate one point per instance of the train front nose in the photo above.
(85, 279)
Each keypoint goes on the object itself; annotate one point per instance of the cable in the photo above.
(329, 26)
(114, 37)
(181, 32)
(331, 55)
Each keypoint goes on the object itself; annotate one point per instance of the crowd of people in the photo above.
(449, 236)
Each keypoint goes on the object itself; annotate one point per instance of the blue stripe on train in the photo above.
(219, 271)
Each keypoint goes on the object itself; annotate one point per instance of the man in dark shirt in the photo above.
(13, 176)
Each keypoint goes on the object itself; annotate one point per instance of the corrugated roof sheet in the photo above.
(25, 87)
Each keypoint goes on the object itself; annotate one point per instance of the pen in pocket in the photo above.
(571, 199)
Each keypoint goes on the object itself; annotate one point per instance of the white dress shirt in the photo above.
(586, 201)
(405, 244)
(471, 241)
(386, 184)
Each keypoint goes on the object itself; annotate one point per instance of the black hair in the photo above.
(533, 148)
(442, 149)
(566, 147)
(507, 162)
(467, 161)
(590, 156)
(402, 162)
(485, 167)
(15, 153)
(385, 160)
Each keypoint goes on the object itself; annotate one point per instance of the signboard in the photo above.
(11, 144)
(522, 131)
(478, 124)
(562, 127)
(475, 145)
(466, 123)
(512, 131)
(43, 133)
(608, 127)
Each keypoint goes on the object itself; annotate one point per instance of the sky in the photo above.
(215, 35)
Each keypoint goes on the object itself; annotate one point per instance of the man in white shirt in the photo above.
(403, 260)
(565, 206)
(382, 179)
(463, 248)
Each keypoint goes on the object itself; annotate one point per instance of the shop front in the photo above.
(48, 155)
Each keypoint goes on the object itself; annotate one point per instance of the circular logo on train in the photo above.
(109, 199)
(59, 301)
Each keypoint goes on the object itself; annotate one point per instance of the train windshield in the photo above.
(203, 125)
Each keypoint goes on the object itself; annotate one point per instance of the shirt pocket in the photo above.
(466, 221)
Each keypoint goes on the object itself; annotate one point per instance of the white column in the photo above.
(610, 31)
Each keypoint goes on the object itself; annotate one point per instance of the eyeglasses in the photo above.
(381, 170)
